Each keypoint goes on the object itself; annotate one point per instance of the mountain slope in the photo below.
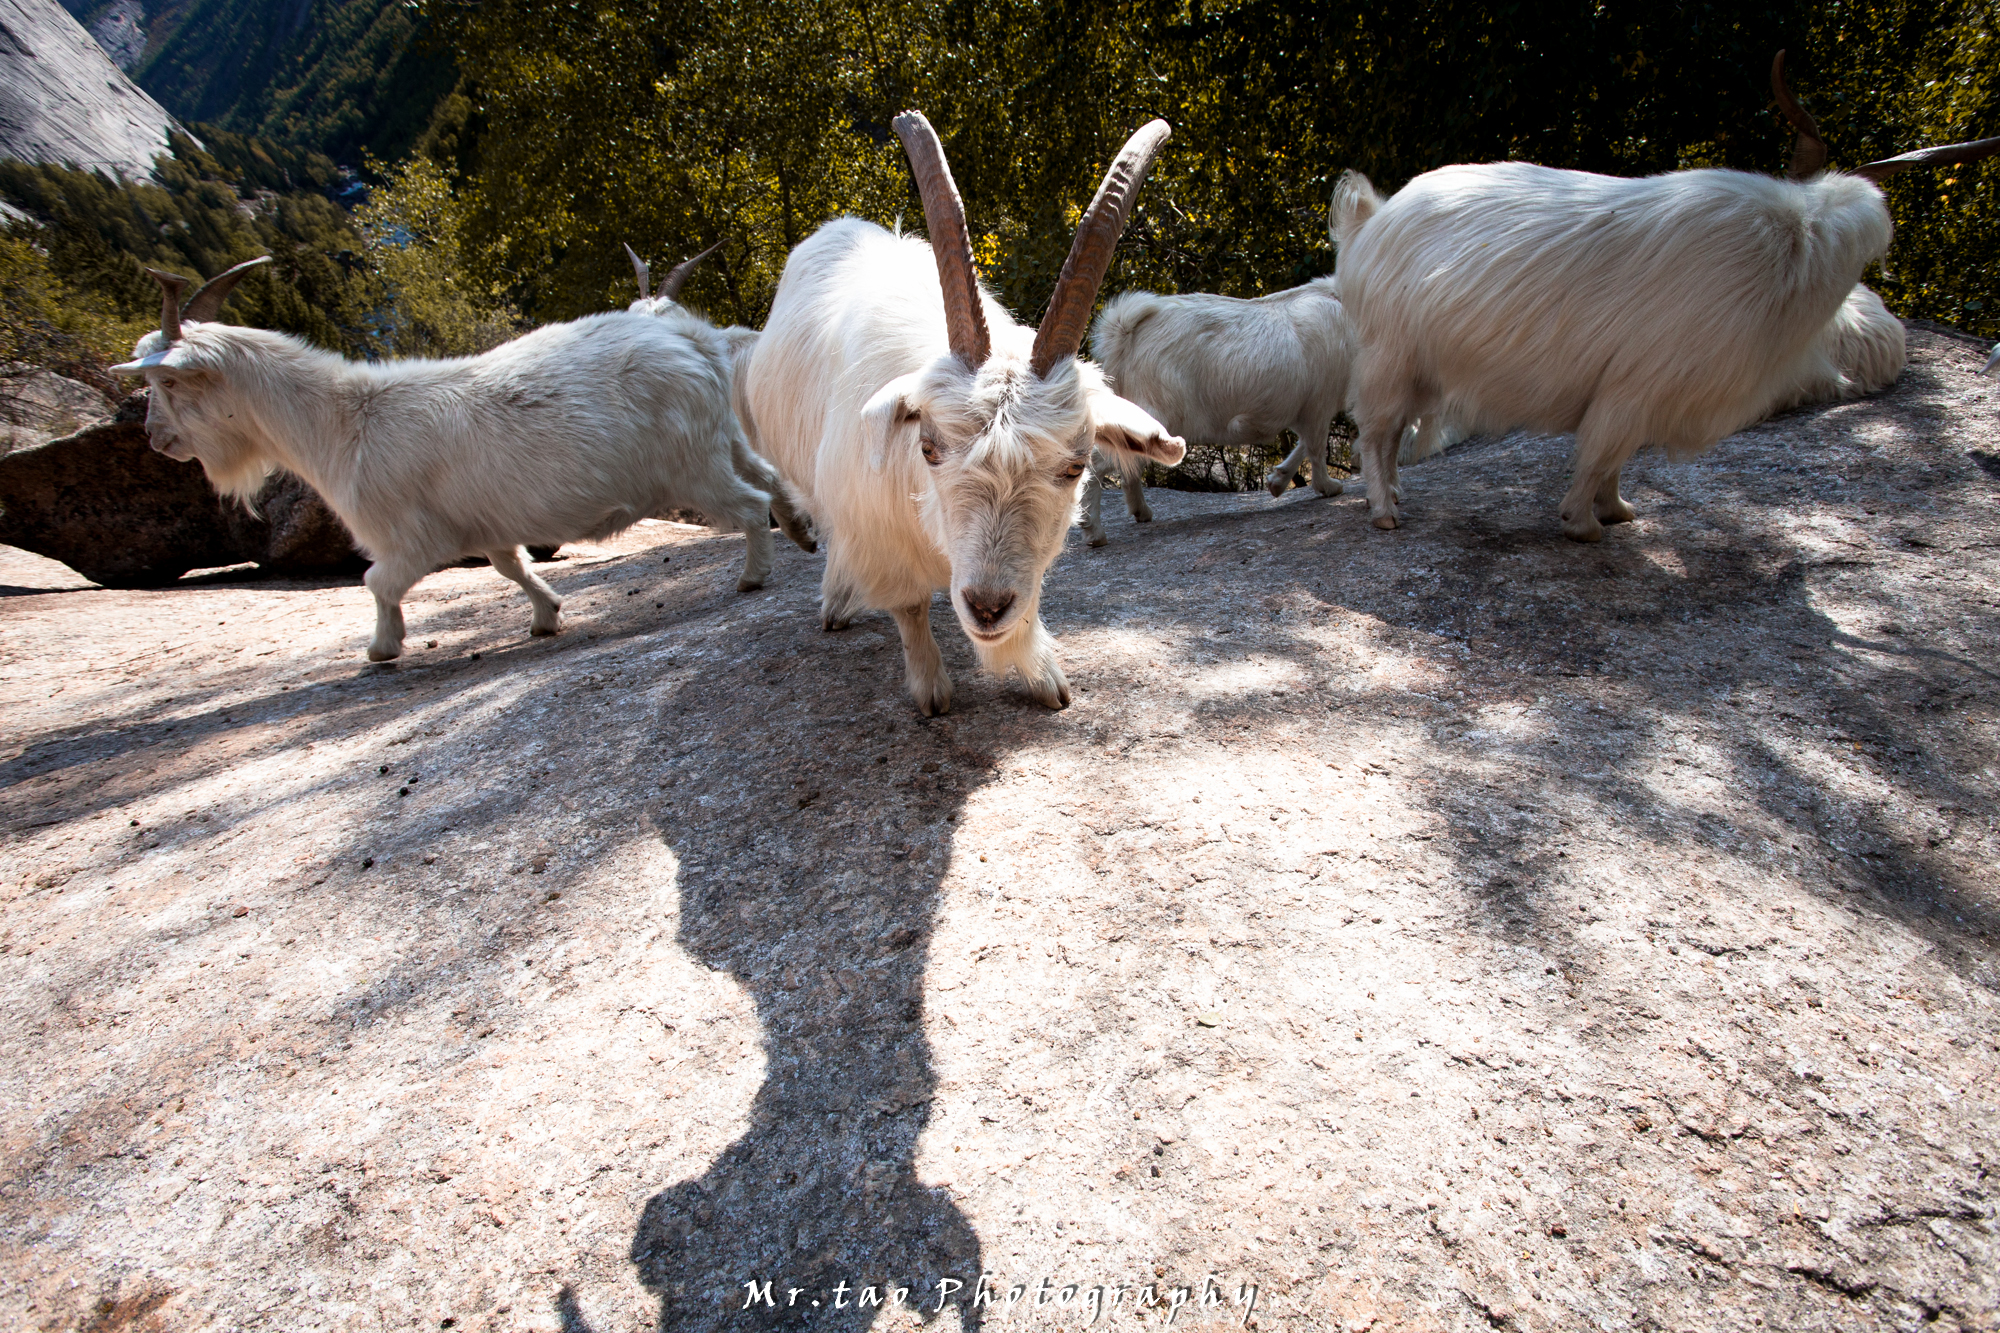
(62, 100)
(337, 76)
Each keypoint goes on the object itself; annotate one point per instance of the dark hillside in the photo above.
(338, 76)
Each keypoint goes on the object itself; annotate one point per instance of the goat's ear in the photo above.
(890, 413)
(1122, 426)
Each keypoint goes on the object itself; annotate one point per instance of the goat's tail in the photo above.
(1111, 339)
(1354, 202)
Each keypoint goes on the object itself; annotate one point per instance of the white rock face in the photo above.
(62, 100)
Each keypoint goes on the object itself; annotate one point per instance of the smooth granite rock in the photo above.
(63, 101)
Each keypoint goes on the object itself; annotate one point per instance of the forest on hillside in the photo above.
(512, 147)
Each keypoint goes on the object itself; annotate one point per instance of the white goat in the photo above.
(572, 432)
(1233, 372)
(938, 443)
(1223, 370)
(750, 465)
(1671, 310)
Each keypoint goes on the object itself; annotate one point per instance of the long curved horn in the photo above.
(641, 272)
(951, 243)
(1941, 156)
(1097, 236)
(671, 288)
(171, 287)
(206, 303)
(1809, 152)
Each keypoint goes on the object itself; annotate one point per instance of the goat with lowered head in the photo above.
(572, 432)
(750, 465)
(1228, 371)
(937, 443)
(1670, 310)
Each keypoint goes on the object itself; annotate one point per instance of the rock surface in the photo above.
(63, 101)
(39, 405)
(106, 504)
(1453, 928)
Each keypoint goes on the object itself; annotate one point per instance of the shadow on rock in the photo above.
(814, 884)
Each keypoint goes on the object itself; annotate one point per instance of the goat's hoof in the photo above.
(1386, 522)
(748, 584)
(1586, 529)
(1099, 539)
(1142, 516)
(384, 654)
(1620, 512)
(832, 625)
(1329, 488)
(809, 546)
(545, 629)
(1052, 690)
(1277, 484)
(933, 700)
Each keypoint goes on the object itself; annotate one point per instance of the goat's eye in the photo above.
(1074, 470)
(931, 454)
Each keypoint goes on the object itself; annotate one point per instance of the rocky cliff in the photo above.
(62, 100)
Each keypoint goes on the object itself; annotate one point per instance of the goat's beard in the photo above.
(236, 467)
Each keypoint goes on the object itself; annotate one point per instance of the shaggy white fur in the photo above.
(922, 474)
(572, 432)
(1670, 310)
(1222, 370)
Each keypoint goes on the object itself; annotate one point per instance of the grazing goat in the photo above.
(574, 431)
(938, 443)
(750, 465)
(1670, 310)
(1223, 370)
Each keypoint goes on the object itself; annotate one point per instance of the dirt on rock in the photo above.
(1454, 928)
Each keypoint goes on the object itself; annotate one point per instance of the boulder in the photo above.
(118, 513)
(37, 405)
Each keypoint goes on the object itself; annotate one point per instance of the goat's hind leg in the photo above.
(1381, 440)
(1603, 445)
(751, 467)
(1279, 479)
(1609, 506)
(1093, 505)
(1323, 481)
(548, 607)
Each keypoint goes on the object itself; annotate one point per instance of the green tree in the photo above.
(411, 229)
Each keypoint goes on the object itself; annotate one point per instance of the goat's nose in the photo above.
(988, 604)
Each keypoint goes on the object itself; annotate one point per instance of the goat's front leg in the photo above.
(838, 597)
(923, 664)
(548, 607)
(389, 579)
(1135, 497)
(755, 521)
(1093, 506)
(1032, 652)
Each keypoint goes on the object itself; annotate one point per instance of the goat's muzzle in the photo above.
(170, 445)
(988, 606)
